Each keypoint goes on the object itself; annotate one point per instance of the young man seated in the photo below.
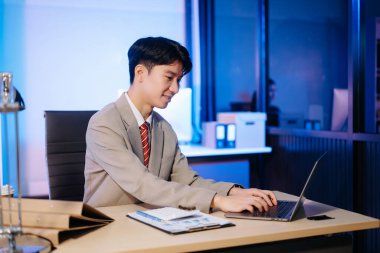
(133, 154)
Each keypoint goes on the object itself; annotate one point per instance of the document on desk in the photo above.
(177, 221)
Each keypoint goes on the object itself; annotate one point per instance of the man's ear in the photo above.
(140, 72)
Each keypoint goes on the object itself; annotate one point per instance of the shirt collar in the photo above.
(139, 118)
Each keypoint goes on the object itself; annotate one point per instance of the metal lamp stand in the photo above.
(11, 226)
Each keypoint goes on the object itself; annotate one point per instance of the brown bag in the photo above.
(55, 220)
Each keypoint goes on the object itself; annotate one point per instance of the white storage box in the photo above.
(214, 135)
(250, 127)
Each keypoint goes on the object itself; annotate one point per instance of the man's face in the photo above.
(161, 84)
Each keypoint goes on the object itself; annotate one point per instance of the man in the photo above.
(273, 112)
(132, 152)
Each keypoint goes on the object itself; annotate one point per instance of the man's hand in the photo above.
(239, 200)
(268, 196)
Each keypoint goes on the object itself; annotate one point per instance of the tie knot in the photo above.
(145, 126)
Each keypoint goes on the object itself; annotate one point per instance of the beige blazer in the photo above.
(115, 173)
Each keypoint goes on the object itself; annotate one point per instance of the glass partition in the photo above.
(235, 69)
(308, 46)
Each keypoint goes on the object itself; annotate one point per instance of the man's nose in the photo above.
(174, 87)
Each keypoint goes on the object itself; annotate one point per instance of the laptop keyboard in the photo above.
(281, 210)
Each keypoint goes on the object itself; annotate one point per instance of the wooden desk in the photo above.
(127, 235)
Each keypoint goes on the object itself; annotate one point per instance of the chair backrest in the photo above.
(65, 152)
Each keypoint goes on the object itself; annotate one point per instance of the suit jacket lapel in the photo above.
(156, 146)
(131, 126)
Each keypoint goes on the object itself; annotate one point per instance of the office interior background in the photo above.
(324, 56)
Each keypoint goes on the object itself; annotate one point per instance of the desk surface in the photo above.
(201, 151)
(127, 235)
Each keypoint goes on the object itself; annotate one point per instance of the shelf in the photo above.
(201, 151)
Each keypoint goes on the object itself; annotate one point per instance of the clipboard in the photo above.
(187, 224)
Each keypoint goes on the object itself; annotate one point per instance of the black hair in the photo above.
(152, 51)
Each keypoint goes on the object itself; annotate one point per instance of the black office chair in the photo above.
(65, 152)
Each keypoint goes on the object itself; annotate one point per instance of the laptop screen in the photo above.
(302, 198)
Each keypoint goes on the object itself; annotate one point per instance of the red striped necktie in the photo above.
(144, 131)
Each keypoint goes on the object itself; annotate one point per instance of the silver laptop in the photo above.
(284, 210)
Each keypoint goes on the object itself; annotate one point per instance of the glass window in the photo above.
(235, 54)
(308, 43)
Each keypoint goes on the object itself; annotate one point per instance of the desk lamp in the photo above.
(10, 213)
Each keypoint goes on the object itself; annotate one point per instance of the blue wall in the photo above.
(226, 171)
(72, 55)
(12, 51)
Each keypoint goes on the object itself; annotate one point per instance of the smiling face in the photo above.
(161, 83)
(155, 88)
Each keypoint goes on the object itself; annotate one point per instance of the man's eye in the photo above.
(169, 78)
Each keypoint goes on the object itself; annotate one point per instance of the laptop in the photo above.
(284, 211)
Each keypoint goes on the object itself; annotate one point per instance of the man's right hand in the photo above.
(239, 203)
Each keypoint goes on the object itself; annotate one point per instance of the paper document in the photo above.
(187, 221)
(171, 213)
